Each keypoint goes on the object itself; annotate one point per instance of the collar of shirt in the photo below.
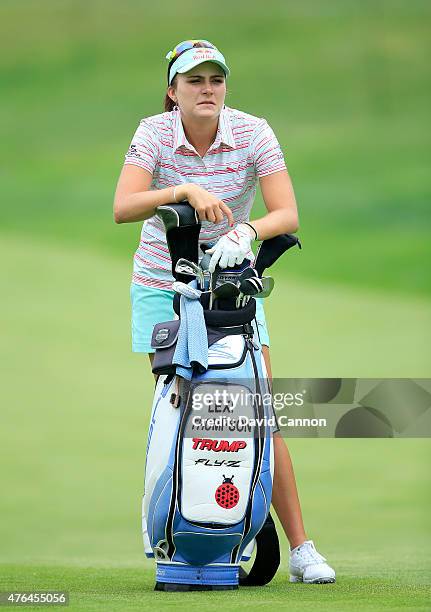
(224, 132)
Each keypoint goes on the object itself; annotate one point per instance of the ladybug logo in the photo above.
(227, 495)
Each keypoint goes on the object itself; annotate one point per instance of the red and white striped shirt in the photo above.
(245, 149)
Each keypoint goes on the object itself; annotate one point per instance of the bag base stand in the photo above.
(264, 568)
(182, 578)
(169, 587)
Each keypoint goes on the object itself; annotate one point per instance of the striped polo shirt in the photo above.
(245, 148)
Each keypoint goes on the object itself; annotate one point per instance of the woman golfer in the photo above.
(213, 156)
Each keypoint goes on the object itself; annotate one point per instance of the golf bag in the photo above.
(209, 459)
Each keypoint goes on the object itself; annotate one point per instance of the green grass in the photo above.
(74, 416)
(131, 588)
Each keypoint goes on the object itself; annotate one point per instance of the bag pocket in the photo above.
(164, 341)
(227, 353)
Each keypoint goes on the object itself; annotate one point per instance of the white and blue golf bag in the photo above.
(209, 460)
(209, 468)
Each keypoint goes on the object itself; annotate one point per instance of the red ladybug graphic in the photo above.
(227, 495)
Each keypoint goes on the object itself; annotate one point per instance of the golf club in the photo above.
(189, 268)
(251, 286)
(204, 263)
(267, 287)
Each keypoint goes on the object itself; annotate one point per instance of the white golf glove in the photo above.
(231, 249)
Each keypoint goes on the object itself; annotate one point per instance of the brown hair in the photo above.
(169, 103)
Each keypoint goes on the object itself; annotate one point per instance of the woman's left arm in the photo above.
(279, 198)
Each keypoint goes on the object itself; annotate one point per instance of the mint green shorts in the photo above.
(151, 306)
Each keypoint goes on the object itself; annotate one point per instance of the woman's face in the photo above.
(200, 93)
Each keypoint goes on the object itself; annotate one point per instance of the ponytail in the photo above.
(169, 104)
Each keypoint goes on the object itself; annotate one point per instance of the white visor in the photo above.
(193, 57)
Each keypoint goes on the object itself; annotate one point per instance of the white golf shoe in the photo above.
(307, 565)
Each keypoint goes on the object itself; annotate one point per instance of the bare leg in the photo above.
(284, 492)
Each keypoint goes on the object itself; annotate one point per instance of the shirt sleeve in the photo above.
(144, 149)
(266, 151)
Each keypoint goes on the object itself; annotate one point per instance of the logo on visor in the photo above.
(207, 53)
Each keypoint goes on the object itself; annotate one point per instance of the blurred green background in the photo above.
(345, 86)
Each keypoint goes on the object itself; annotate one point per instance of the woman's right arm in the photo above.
(134, 201)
